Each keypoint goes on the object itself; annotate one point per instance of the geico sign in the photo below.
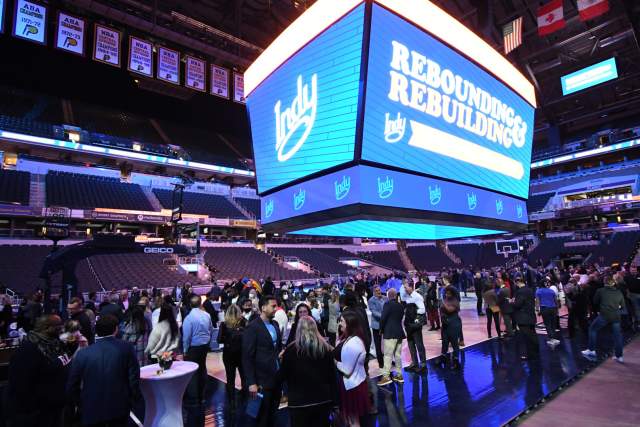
(158, 250)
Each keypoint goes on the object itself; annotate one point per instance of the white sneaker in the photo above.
(619, 359)
(589, 354)
(556, 342)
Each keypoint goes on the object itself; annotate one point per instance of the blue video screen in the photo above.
(589, 76)
(428, 109)
(381, 187)
(303, 116)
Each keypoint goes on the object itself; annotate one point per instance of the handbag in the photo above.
(494, 309)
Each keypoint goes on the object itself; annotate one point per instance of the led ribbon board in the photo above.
(431, 110)
(303, 116)
(590, 76)
(381, 187)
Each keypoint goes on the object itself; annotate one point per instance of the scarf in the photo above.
(51, 348)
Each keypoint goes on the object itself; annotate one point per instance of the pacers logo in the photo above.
(300, 116)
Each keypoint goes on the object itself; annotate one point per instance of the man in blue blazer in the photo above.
(104, 379)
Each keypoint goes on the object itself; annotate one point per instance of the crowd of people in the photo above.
(282, 339)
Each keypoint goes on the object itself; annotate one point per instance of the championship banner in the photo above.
(70, 33)
(140, 57)
(219, 81)
(168, 65)
(196, 71)
(1, 16)
(30, 21)
(238, 88)
(106, 47)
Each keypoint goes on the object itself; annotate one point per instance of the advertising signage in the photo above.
(430, 110)
(590, 76)
(303, 116)
(382, 187)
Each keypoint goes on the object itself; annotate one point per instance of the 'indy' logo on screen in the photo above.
(385, 188)
(499, 206)
(394, 128)
(301, 114)
(342, 187)
(298, 199)
(268, 209)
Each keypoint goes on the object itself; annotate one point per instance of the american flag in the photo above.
(512, 33)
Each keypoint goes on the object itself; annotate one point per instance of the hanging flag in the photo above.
(550, 18)
(512, 35)
(590, 9)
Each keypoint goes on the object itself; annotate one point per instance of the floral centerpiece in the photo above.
(165, 359)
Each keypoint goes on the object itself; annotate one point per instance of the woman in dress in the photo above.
(334, 313)
(350, 355)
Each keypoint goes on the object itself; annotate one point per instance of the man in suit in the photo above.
(113, 307)
(524, 313)
(392, 334)
(104, 379)
(261, 345)
(77, 313)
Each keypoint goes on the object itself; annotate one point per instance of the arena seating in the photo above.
(480, 255)
(141, 270)
(429, 258)
(201, 204)
(86, 192)
(336, 253)
(389, 259)
(537, 202)
(318, 260)
(20, 267)
(251, 205)
(14, 187)
(616, 248)
(235, 263)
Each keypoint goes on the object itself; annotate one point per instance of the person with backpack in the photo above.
(230, 334)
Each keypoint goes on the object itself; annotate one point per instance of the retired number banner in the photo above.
(238, 88)
(168, 65)
(140, 57)
(219, 81)
(107, 45)
(30, 21)
(196, 74)
(70, 33)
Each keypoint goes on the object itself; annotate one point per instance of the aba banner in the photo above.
(196, 74)
(140, 57)
(238, 87)
(431, 110)
(304, 115)
(70, 33)
(106, 46)
(30, 21)
(219, 81)
(169, 65)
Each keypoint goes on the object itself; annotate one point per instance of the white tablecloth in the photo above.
(163, 393)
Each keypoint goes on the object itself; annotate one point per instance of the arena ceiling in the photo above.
(240, 29)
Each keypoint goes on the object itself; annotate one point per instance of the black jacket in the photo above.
(114, 310)
(609, 301)
(524, 307)
(104, 380)
(36, 386)
(503, 296)
(232, 339)
(309, 381)
(391, 320)
(209, 308)
(259, 355)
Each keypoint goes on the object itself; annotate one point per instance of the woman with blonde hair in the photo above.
(230, 334)
(308, 369)
(334, 313)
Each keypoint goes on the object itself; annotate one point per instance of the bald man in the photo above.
(392, 335)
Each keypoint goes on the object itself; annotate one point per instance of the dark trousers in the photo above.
(600, 323)
(195, 389)
(549, 317)
(451, 335)
(530, 337)
(577, 321)
(508, 323)
(377, 342)
(310, 416)
(495, 317)
(231, 363)
(269, 407)
(479, 303)
(434, 317)
(416, 348)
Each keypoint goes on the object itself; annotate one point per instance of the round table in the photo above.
(163, 393)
